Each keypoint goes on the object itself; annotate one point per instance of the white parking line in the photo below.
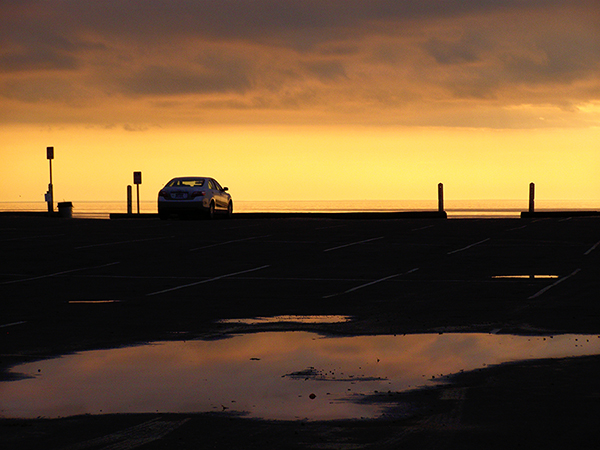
(12, 324)
(59, 273)
(468, 246)
(207, 281)
(330, 226)
(592, 248)
(162, 277)
(356, 288)
(123, 242)
(352, 243)
(228, 242)
(560, 280)
(517, 228)
(32, 237)
(423, 228)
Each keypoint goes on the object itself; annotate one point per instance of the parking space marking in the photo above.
(592, 248)
(468, 246)
(423, 228)
(298, 279)
(353, 243)
(228, 242)
(517, 228)
(12, 324)
(141, 277)
(106, 244)
(330, 226)
(24, 238)
(163, 277)
(245, 226)
(220, 277)
(356, 288)
(560, 280)
(59, 273)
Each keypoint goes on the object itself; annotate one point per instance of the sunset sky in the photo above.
(301, 99)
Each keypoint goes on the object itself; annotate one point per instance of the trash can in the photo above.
(65, 209)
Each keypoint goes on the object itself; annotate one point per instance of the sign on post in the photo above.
(49, 197)
(137, 180)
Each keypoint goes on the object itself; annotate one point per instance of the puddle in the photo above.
(289, 319)
(527, 277)
(274, 375)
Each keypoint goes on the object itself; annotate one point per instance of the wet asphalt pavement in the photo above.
(74, 284)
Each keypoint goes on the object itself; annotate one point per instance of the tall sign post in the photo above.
(50, 193)
(137, 180)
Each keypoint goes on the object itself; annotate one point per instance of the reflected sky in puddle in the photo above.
(525, 277)
(289, 319)
(274, 375)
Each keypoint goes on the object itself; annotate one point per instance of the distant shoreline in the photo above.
(322, 215)
(481, 209)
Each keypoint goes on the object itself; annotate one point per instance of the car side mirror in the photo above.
(225, 189)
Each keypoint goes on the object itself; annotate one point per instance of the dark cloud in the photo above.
(326, 70)
(42, 49)
(465, 49)
(34, 59)
(57, 90)
(559, 59)
(227, 19)
(165, 80)
(261, 54)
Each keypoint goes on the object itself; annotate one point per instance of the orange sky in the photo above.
(291, 100)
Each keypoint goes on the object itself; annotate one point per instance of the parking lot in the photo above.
(69, 285)
(244, 268)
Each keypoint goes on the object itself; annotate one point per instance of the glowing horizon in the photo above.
(375, 164)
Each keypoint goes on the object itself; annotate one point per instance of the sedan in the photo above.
(194, 195)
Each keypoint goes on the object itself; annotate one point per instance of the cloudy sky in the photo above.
(295, 99)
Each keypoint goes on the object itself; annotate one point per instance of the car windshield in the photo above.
(186, 182)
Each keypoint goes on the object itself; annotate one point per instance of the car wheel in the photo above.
(210, 213)
(230, 210)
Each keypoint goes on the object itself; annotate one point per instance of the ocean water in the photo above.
(454, 208)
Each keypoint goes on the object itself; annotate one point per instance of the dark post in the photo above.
(531, 197)
(50, 193)
(440, 197)
(129, 199)
(137, 180)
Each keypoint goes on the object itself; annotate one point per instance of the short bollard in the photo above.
(129, 200)
(532, 197)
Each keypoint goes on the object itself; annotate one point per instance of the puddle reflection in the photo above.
(525, 277)
(282, 375)
(289, 319)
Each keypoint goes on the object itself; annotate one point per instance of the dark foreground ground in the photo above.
(391, 276)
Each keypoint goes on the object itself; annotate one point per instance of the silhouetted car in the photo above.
(194, 195)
